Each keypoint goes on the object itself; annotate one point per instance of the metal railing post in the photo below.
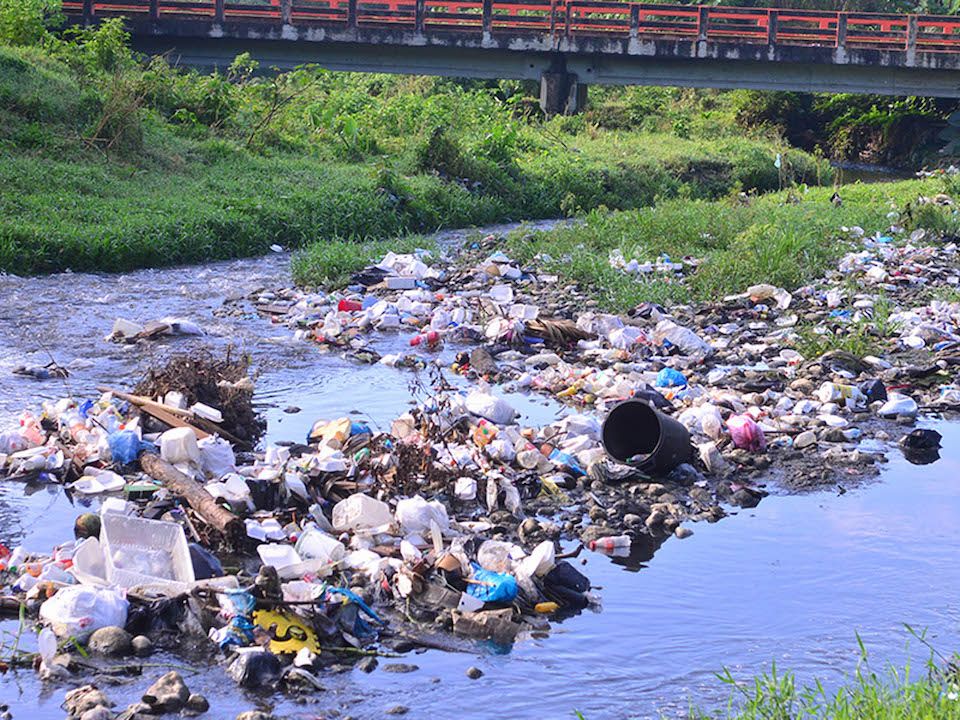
(567, 18)
(634, 20)
(772, 18)
(154, 9)
(487, 16)
(88, 12)
(419, 11)
(218, 10)
(286, 11)
(351, 13)
(842, 31)
(703, 22)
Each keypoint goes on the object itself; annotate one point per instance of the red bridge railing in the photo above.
(924, 33)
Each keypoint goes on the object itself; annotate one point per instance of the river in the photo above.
(790, 581)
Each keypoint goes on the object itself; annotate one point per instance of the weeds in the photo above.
(894, 694)
(786, 239)
(110, 163)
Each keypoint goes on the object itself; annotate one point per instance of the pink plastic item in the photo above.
(746, 434)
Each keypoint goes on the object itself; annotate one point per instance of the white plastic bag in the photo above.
(414, 514)
(78, 610)
(216, 457)
(490, 407)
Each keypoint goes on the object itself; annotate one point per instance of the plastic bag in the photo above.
(494, 409)
(492, 587)
(126, 445)
(216, 457)
(414, 514)
(746, 434)
(668, 377)
(688, 341)
(898, 404)
(78, 610)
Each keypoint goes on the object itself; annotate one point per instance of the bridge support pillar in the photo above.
(561, 93)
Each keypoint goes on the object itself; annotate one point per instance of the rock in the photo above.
(834, 435)
(805, 439)
(113, 641)
(142, 646)
(528, 527)
(197, 704)
(368, 664)
(655, 519)
(398, 710)
(77, 702)
(495, 625)
(400, 668)
(137, 711)
(256, 669)
(254, 715)
(474, 673)
(98, 713)
(744, 498)
(168, 694)
(682, 532)
(632, 520)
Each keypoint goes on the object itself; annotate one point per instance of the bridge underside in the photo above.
(564, 66)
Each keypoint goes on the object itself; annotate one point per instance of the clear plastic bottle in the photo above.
(611, 543)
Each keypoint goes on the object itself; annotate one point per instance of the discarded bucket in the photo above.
(635, 432)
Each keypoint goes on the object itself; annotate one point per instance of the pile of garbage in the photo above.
(732, 372)
(461, 521)
(332, 544)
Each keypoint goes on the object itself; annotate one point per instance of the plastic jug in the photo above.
(314, 544)
(360, 512)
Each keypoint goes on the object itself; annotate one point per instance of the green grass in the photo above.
(891, 694)
(331, 263)
(201, 169)
(785, 239)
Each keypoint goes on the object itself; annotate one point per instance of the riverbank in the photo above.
(110, 165)
(786, 239)
(340, 380)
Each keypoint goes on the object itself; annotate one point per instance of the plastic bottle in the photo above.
(852, 396)
(431, 339)
(484, 433)
(31, 430)
(611, 543)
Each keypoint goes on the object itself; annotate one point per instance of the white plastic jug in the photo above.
(360, 512)
(314, 544)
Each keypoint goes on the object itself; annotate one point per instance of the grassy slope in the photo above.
(785, 238)
(188, 196)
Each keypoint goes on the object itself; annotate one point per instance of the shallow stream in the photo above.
(790, 581)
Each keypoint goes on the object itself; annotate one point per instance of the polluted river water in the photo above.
(791, 581)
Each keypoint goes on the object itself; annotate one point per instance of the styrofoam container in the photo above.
(279, 556)
(138, 551)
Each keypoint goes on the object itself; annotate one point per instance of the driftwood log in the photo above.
(193, 493)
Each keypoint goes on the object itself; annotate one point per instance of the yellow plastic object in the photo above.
(288, 633)
(324, 432)
(546, 607)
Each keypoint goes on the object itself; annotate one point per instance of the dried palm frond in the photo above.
(557, 331)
